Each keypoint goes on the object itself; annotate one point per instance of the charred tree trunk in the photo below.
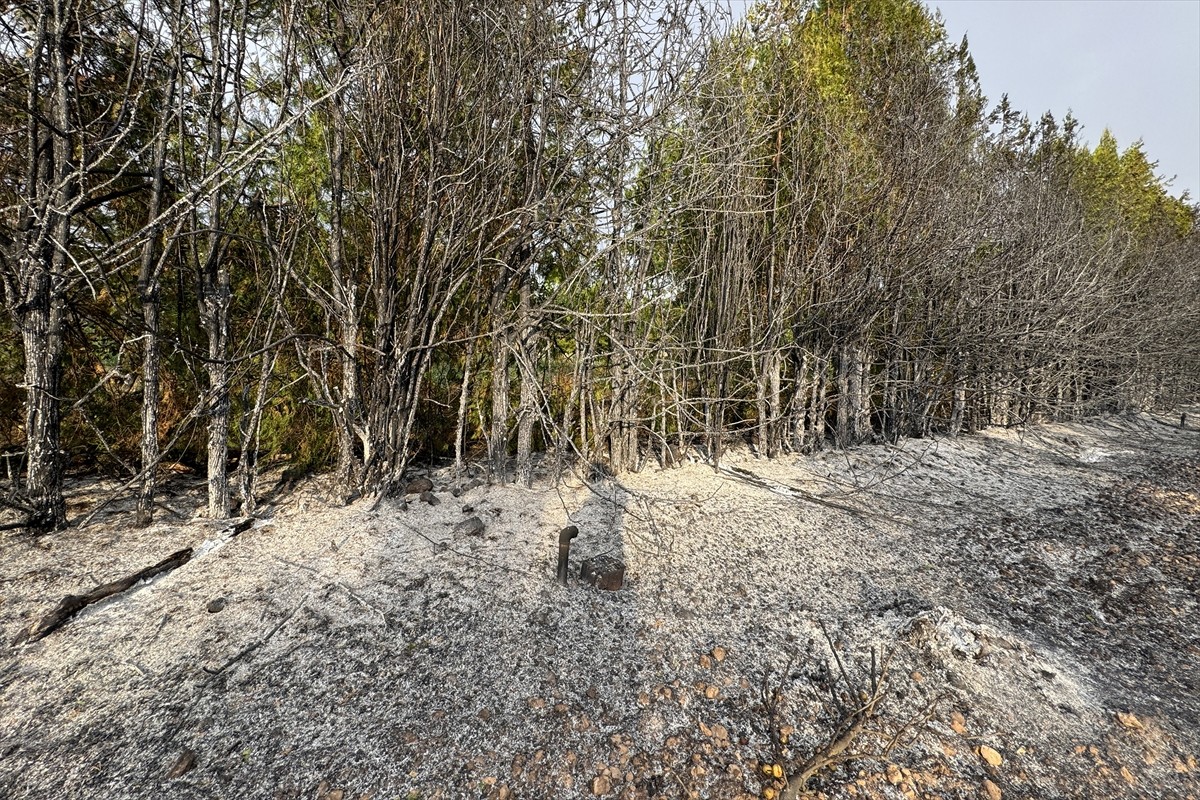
(464, 394)
(36, 291)
(149, 291)
(214, 286)
(346, 297)
(527, 410)
(498, 441)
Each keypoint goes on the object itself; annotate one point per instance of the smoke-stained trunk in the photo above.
(37, 300)
(149, 291)
(527, 410)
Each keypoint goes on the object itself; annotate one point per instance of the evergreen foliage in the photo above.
(348, 235)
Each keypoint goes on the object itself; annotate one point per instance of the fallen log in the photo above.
(72, 604)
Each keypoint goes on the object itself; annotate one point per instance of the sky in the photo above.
(1130, 66)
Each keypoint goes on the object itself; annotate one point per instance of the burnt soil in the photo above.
(1034, 594)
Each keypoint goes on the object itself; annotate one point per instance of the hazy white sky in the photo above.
(1131, 66)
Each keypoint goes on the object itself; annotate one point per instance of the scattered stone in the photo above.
(990, 756)
(719, 653)
(324, 792)
(217, 605)
(601, 785)
(471, 526)
(603, 572)
(992, 790)
(1130, 721)
(419, 486)
(430, 498)
(958, 723)
(186, 760)
(467, 509)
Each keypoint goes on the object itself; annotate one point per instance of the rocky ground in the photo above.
(1018, 609)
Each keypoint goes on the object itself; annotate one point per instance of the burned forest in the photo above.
(535, 235)
(564, 398)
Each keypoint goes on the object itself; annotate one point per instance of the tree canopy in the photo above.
(544, 234)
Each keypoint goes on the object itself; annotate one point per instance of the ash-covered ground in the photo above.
(1029, 599)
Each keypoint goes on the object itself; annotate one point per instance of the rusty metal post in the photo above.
(564, 551)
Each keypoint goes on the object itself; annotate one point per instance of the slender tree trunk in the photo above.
(862, 395)
(41, 337)
(149, 290)
(464, 394)
(52, 186)
(527, 410)
(346, 296)
(498, 442)
(819, 407)
(847, 385)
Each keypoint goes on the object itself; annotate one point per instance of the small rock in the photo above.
(326, 793)
(472, 526)
(1130, 721)
(991, 790)
(419, 486)
(990, 756)
(186, 760)
(430, 498)
(216, 605)
(893, 775)
(467, 509)
(719, 654)
(601, 785)
(958, 723)
(603, 572)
